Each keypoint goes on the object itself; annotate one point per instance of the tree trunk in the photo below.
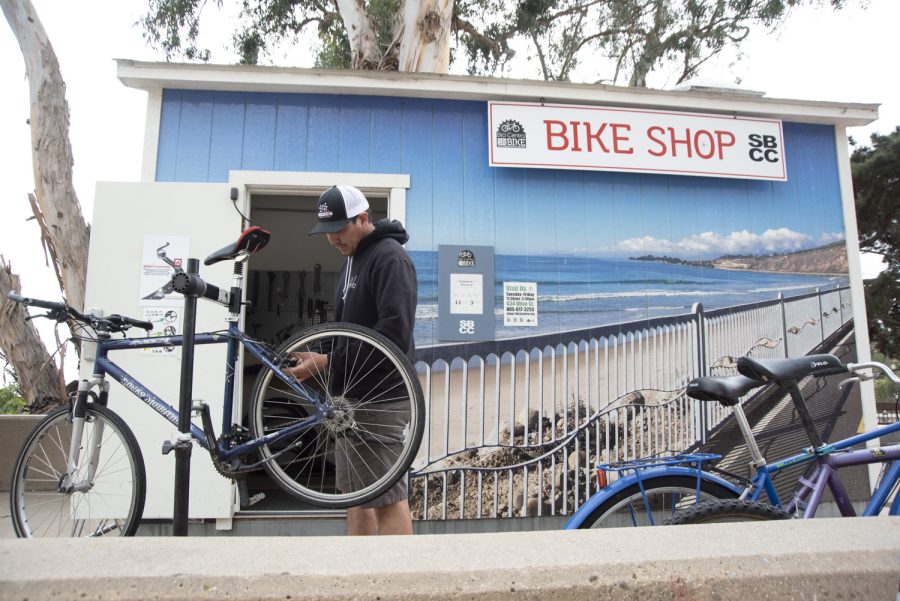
(64, 233)
(51, 150)
(36, 374)
(364, 52)
(425, 44)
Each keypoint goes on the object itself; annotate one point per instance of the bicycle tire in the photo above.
(665, 496)
(111, 504)
(728, 510)
(373, 379)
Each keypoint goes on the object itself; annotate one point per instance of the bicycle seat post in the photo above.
(756, 458)
(237, 286)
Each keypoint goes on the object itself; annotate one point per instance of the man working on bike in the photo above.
(376, 288)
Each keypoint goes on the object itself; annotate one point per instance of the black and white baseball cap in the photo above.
(337, 206)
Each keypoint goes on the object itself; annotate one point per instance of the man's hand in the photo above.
(307, 365)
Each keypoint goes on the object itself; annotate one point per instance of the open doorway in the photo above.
(290, 287)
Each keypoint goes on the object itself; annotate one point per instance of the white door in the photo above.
(130, 221)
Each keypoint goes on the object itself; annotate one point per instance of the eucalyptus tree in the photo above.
(616, 41)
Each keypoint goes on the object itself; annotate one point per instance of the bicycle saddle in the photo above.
(787, 370)
(253, 239)
(725, 390)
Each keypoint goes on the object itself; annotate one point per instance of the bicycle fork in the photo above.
(70, 482)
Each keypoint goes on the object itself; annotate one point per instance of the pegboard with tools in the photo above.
(285, 302)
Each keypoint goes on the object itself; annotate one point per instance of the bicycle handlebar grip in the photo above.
(122, 320)
(34, 302)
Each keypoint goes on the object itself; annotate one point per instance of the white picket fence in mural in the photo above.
(516, 427)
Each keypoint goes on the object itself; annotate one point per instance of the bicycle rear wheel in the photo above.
(664, 496)
(366, 432)
(44, 503)
(729, 510)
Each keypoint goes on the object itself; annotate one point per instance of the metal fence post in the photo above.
(784, 332)
(821, 315)
(697, 309)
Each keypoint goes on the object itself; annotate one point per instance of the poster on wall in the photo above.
(166, 322)
(520, 304)
(465, 293)
(156, 273)
(557, 136)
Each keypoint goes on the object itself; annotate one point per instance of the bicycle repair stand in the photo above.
(183, 443)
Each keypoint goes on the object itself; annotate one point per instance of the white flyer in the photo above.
(166, 322)
(466, 294)
(520, 304)
(156, 273)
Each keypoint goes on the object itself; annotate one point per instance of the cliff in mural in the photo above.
(829, 259)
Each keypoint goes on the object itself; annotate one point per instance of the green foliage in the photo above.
(622, 40)
(11, 400)
(886, 394)
(876, 184)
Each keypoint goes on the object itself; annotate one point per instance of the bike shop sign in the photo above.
(556, 136)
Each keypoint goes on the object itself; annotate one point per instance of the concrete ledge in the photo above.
(818, 559)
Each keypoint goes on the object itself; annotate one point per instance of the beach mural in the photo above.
(608, 248)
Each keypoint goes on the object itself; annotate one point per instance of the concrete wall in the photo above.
(815, 559)
(14, 429)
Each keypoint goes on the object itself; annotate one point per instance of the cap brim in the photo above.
(329, 227)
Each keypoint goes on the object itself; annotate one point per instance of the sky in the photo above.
(818, 55)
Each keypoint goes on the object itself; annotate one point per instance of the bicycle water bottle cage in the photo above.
(790, 370)
(252, 240)
(727, 390)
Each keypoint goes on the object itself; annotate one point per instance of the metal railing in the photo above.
(515, 427)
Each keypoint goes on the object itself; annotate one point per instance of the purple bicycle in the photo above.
(828, 459)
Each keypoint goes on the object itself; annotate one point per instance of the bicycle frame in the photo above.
(233, 338)
(830, 459)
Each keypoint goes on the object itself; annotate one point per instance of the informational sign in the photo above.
(156, 273)
(555, 136)
(520, 304)
(166, 322)
(465, 293)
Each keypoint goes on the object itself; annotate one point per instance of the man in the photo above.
(376, 288)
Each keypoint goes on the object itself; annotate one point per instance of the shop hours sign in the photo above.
(465, 293)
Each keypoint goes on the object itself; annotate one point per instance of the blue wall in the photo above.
(456, 198)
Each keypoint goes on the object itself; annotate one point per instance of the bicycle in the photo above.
(81, 471)
(680, 489)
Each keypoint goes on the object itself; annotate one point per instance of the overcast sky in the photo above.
(819, 55)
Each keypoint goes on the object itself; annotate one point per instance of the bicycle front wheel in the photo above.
(726, 511)
(366, 413)
(664, 496)
(103, 497)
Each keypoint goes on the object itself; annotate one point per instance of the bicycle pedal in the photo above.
(197, 407)
(256, 499)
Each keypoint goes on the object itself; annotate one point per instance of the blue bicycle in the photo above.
(686, 488)
(339, 437)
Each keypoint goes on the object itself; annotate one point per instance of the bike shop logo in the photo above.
(465, 258)
(324, 211)
(510, 134)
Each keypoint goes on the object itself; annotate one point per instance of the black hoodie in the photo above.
(377, 286)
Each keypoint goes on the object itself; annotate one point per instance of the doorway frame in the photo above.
(307, 183)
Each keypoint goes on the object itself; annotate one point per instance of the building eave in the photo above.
(152, 76)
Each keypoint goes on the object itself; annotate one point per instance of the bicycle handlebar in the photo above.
(887, 371)
(62, 312)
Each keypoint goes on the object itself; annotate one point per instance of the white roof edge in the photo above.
(155, 75)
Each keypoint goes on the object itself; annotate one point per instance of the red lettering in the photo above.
(656, 129)
(700, 143)
(620, 138)
(686, 140)
(596, 137)
(721, 136)
(575, 146)
(561, 134)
